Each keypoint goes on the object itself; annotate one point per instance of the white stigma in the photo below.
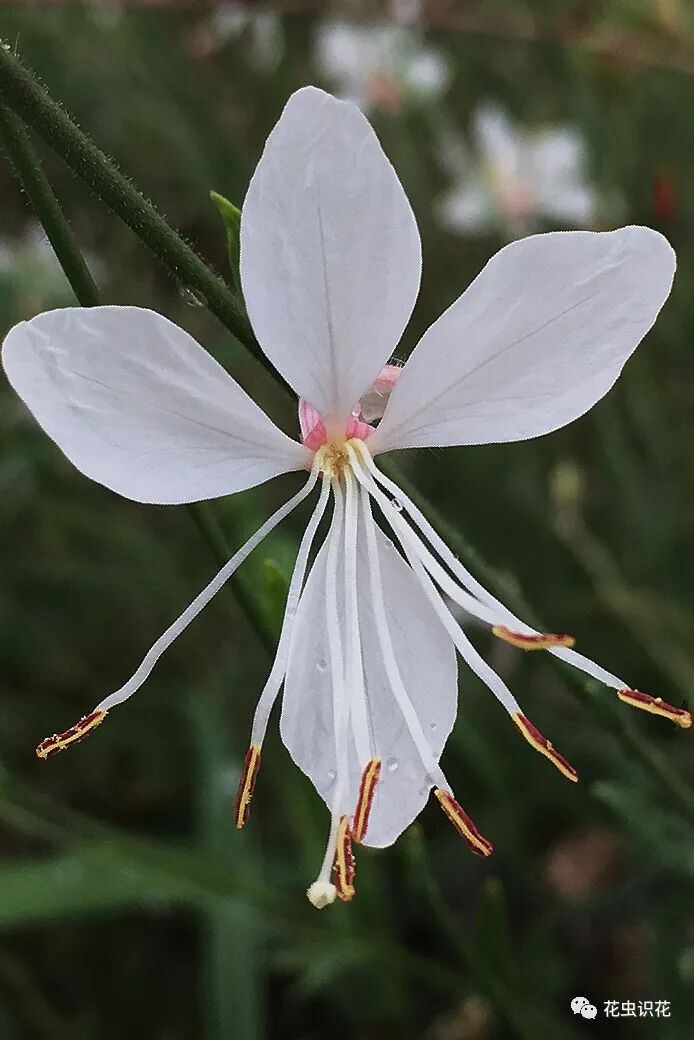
(321, 893)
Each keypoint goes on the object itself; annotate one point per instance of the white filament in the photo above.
(202, 599)
(389, 659)
(465, 648)
(353, 657)
(296, 585)
(340, 701)
(464, 576)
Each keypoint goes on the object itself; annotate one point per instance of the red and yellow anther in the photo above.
(60, 741)
(367, 787)
(251, 765)
(463, 824)
(541, 744)
(539, 641)
(656, 706)
(343, 865)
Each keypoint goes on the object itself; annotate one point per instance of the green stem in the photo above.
(48, 211)
(20, 91)
(232, 943)
(210, 530)
(33, 180)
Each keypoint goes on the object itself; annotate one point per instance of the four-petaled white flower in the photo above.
(381, 67)
(516, 177)
(330, 267)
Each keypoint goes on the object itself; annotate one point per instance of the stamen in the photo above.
(480, 845)
(468, 580)
(367, 787)
(538, 641)
(395, 681)
(541, 744)
(249, 775)
(354, 664)
(60, 741)
(656, 706)
(343, 867)
(296, 585)
(203, 598)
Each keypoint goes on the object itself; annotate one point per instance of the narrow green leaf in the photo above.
(231, 215)
(492, 937)
(94, 879)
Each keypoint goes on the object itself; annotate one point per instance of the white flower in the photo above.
(232, 20)
(515, 178)
(330, 267)
(380, 66)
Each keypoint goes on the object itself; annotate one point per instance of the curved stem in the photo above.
(20, 91)
(33, 180)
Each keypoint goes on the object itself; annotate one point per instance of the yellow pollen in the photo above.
(333, 457)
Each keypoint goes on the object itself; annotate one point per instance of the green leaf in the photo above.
(275, 588)
(231, 215)
(95, 879)
(492, 934)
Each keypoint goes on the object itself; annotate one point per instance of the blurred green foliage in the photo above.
(128, 904)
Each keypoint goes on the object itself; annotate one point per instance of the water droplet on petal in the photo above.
(191, 296)
(396, 504)
(291, 611)
(392, 764)
(331, 775)
(432, 727)
(321, 664)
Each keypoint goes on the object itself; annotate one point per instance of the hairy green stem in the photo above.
(20, 91)
(33, 180)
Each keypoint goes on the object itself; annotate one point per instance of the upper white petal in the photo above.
(541, 335)
(139, 406)
(557, 169)
(427, 663)
(330, 252)
(466, 207)
(498, 139)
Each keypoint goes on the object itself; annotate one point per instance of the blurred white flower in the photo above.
(516, 177)
(261, 25)
(380, 67)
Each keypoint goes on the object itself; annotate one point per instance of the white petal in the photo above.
(497, 138)
(466, 208)
(343, 53)
(556, 154)
(557, 170)
(428, 73)
(541, 335)
(427, 663)
(330, 252)
(139, 406)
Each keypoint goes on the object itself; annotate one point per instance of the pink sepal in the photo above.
(357, 428)
(313, 431)
(388, 377)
